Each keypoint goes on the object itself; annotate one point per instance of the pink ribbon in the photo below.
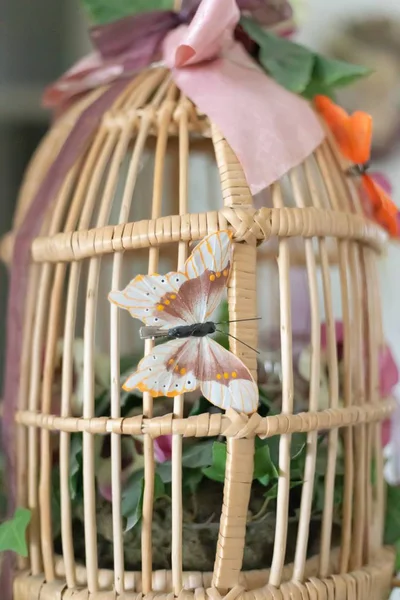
(270, 129)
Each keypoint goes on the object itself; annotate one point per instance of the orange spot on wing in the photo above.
(226, 375)
(160, 307)
(182, 371)
(212, 277)
(218, 274)
(219, 376)
(225, 272)
(234, 374)
(172, 296)
(167, 302)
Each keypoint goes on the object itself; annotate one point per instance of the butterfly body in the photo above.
(358, 169)
(353, 134)
(182, 331)
(178, 306)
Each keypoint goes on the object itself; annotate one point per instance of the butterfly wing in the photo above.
(208, 268)
(224, 379)
(169, 370)
(353, 133)
(382, 208)
(155, 300)
(181, 298)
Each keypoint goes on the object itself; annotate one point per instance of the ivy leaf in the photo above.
(198, 455)
(76, 467)
(392, 523)
(397, 564)
(272, 492)
(132, 500)
(194, 457)
(55, 502)
(264, 468)
(105, 11)
(200, 407)
(192, 478)
(13, 532)
(298, 68)
(217, 469)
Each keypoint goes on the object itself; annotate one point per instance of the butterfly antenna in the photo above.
(238, 321)
(237, 339)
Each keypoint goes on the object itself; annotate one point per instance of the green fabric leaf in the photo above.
(298, 68)
(392, 523)
(132, 499)
(288, 63)
(217, 469)
(315, 88)
(105, 11)
(13, 532)
(337, 73)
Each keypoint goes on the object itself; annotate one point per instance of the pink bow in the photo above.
(270, 129)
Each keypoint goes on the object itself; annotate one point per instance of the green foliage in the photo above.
(194, 458)
(132, 500)
(13, 532)
(298, 68)
(106, 11)
(392, 523)
(76, 467)
(216, 470)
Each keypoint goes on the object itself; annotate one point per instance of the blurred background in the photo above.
(40, 40)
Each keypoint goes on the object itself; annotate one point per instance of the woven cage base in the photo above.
(372, 582)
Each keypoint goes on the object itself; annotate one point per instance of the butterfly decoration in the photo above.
(179, 307)
(353, 135)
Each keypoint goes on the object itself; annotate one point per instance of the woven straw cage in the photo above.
(102, 229)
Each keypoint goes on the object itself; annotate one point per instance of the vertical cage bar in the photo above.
(133, 170)
(164, 117)
(333, 372)
(282, 511)
(38, 339)
(312, 436)
(242, 304)
(112, 150)
(176, 548)
(85, 198)
(335, 203)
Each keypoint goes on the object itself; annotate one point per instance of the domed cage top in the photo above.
(126, 208)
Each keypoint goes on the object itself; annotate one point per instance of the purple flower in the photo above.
(163, 448)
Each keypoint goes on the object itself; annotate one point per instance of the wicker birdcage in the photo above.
(126, 208)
